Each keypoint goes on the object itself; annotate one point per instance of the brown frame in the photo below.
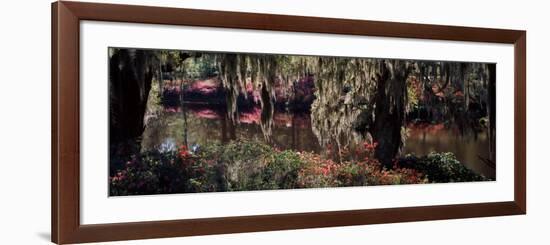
(65, 175)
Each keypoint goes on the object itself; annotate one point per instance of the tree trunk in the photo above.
(161, 78)
(130, 76)
(225, 139)
(266, 120)
(389, 114)
(491, 109)
(184, 113)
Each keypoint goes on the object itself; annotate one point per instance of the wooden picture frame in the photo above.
(65, 174)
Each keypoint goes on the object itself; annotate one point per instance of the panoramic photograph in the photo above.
(185, 121)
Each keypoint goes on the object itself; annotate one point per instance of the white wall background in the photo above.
(25, 121)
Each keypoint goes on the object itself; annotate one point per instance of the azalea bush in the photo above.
(239, 166)
(326, 173)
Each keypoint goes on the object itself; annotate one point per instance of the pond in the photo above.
(468, 148)
(198, 125)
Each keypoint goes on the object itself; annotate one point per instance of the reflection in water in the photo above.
(290, 131)
(294, 131)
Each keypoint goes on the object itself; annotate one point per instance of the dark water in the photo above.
(290, 131)
(468, 148)
(166, 130)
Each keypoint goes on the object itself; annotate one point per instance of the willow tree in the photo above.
(356, 99)
(361, 100)
(131, 72)
(263, 70)
(464, 89)
(339, 82)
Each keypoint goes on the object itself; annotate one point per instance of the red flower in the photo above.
(370, 147)
(184, 152)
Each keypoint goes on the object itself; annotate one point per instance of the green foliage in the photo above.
(200, 67)
(281, 170)
(253, 166)
(413, 93)
(441, 168)
(240, 166)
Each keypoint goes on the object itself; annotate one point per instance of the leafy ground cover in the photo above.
(245, 166)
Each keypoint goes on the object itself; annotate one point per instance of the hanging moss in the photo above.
(344, 90)
(263, 71)
(357, 100)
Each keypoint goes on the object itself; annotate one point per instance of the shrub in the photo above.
(240, 166)
(440, 168)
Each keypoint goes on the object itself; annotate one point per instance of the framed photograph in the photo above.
(176, 122)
